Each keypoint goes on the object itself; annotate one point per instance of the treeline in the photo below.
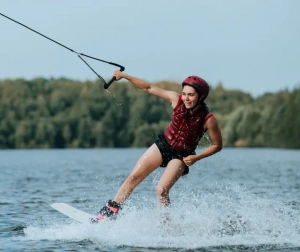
(63, 113)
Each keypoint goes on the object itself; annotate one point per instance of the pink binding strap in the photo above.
(100, 217)
(114, 210)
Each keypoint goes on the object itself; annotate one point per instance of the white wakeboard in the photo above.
(73, 212)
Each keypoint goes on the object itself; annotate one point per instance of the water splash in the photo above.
(230, 217)
(113, 94)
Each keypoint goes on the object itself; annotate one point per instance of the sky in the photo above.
(250, 45)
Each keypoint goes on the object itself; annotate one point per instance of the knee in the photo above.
(133, 179)
(161, 191)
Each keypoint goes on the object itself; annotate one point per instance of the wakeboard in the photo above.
(73, 213)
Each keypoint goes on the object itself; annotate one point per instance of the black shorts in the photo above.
(168, 153)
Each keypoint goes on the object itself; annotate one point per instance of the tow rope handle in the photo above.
(106, 85)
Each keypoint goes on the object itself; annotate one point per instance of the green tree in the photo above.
(63, 113)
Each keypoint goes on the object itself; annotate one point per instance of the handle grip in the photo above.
(106, 85)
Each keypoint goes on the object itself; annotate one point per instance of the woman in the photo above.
(175, 148)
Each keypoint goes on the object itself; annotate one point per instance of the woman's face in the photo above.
(189, 96)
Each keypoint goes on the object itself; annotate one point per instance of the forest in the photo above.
(64, 113)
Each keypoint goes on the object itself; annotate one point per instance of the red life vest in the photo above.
(186, 127)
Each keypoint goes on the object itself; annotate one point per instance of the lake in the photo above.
(238, 199)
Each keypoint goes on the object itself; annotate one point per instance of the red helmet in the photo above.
(199, 84)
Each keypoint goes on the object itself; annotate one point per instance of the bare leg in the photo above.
(147, 163)
(173, 172)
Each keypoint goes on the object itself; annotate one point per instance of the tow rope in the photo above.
(105, 85)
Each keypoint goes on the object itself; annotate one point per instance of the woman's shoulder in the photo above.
(207, 117)
(176, 100)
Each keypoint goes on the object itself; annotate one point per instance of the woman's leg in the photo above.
(147, 163)
(173, 172)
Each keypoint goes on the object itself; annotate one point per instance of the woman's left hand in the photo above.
(190, 160)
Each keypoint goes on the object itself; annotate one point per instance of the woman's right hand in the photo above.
(118, 74)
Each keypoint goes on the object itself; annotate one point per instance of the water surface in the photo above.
(239, 199)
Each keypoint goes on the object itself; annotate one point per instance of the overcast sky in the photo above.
(251, 45)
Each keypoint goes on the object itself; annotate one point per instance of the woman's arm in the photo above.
(217, 144)
(168, 95)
